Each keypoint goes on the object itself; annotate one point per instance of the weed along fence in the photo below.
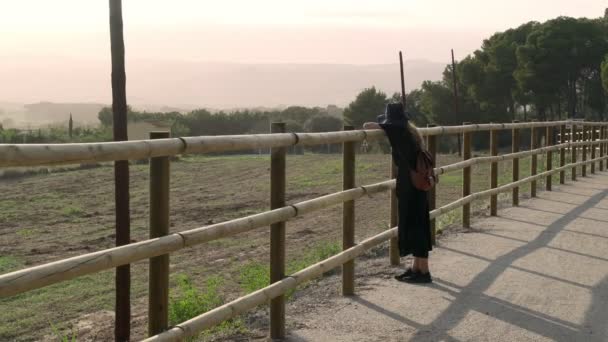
(587, 150)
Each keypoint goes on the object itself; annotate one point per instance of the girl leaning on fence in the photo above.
(414, 223)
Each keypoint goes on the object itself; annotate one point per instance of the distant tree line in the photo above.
(544, 71)
(538, 71)
(203, 122)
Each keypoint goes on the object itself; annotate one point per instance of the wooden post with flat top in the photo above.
(493, 172)
(592, 138)
(348, 214)
(573, 150)
(549, 160)
(562, 153)
(431, 144)
(515, 149)
(158, 284)
(277, 233)
(602, 147)
(584, 139)
(394, 218)
(534, 161)
(466, 177)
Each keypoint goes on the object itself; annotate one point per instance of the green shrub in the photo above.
(191, 302)
(256, 275)
(64, 337)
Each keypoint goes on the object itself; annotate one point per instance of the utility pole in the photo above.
(455, 89)
(402, 81)
(122, 325)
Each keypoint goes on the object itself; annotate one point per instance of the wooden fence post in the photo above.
(606, 146)
(592, 138)
(432, 194)
(584, 138)
(348, 215)
(277, 233)
(158, 283)
(549, 160)
(605, 136)
(573, 149)
(534, 160)
(494, 172)
(466, 177)
(562, 153)
(602, 146)
(394, 218)
(514, 149)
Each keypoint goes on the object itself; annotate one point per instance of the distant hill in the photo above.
(84, 113)
(224, 85)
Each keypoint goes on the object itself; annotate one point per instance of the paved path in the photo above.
(538, 272)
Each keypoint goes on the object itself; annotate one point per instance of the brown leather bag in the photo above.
(423, 177)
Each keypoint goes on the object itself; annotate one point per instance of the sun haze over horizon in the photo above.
(60, 50)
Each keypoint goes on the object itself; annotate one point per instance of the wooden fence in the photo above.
(590, 143)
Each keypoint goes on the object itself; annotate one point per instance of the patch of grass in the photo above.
(449, 218)
(72, 210)
(9, 263)
(318, 253)
(321, 174)
(32, 311)
(64, 337)
(26, 232)
(191, 302)
(451, 179)
(256, 275)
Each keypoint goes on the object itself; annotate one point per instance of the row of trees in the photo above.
(203, 122)
(546, 71)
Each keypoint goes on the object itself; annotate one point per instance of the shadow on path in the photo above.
(475, 299)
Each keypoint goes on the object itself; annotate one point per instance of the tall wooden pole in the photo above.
(122, 327)
(348, 215)
(277, 233)
(158, 283)
(403, 98)
(455, 92)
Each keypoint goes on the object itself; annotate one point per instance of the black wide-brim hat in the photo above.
(394, 114)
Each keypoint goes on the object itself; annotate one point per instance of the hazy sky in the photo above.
(59, 32)
(334, 31)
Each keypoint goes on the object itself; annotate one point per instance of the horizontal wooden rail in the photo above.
(486, 193)
(238, 306)
(43, 275)
(480, 160)
(262, 296)
(14, 155)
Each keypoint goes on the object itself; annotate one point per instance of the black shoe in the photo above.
(419, 278)
(409, 272)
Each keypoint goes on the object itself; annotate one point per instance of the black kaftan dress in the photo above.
(414, 223)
